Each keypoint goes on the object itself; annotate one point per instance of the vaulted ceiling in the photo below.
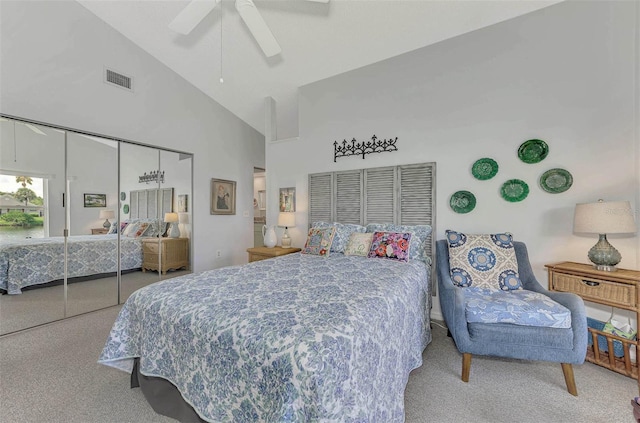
(318, 41)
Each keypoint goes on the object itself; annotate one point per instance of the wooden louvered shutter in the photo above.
(348, 197)
(417, 196)
(320, 197)
(379, 195)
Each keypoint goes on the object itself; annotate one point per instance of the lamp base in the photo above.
(604, 256)
(286, 240)
(174, 231)
(106, 224)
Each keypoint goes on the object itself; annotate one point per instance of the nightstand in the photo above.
(172, 252)
(619, 289)
(262, 253)
(99, 231)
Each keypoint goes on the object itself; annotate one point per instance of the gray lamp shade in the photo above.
(612, 217)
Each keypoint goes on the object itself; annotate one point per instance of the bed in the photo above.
(32, 262)
(296, 338)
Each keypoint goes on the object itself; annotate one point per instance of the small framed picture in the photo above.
(183, 203)
(95, 200)
(223, 196)
(287, 199)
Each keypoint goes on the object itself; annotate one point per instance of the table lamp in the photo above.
(286, 220)
(172, 219)
(183, 219)
(602, 218)
(107, 214)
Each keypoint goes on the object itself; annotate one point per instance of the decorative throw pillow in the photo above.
(131, 229)
(113, 229)
(343, 231)
(483, 261)
(419, 239)
(123, 225)
(390, 245)
(319, 241)
(142, 228)
(359, 244)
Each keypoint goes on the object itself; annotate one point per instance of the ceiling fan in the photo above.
(28, 125)
(196, 10)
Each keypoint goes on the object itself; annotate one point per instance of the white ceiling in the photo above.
(318, 41)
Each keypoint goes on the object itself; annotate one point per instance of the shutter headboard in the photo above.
(403, 195)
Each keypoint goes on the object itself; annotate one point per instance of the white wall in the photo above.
(565, 74)
(52, 58)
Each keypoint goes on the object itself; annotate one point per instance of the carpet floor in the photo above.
(49, 374)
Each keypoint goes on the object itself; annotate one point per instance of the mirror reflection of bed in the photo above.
(101, 176)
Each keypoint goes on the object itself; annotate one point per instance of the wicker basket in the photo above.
(599, 345)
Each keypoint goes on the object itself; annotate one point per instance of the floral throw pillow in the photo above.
(483, 261)
(359, 244)
(419, 239)
(319, 241)
(343, 232)
(390, 245)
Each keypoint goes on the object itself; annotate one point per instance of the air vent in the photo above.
(116, 78)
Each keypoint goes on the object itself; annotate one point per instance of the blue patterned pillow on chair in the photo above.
(483, 261)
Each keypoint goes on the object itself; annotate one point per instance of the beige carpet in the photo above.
(50, 374)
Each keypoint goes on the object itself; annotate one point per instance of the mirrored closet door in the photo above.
(85, 220)
(32, 223)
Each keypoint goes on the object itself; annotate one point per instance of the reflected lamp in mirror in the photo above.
(183, 219)
(286, 220)
(602, 218)
(172, 219)
(107, 214)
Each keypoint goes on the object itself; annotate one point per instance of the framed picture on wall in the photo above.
(183, 203)
(95, 200)
(223, 196)
(287, 199)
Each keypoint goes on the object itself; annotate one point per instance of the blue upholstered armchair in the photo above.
(564, 345)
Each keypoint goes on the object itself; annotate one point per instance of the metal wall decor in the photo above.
(363, 148)
(153, 176)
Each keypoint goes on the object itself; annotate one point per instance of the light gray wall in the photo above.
(566, 74)
(52, 59)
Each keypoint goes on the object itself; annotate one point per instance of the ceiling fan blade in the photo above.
(320, 1)
(34, 129)
(258, 27)
(191, 15)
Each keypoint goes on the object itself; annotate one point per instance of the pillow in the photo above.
(390, 245)
(420, 237)
(483, 261)
(343, 231)
(113, 229)
(131, 229)
(319, 241)
(123, 225)
(359, 244)
(142, 228)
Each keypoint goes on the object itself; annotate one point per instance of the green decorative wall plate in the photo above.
(123, 196)
(125, 209)
(514, 190)
(556, 181)
(484, 169)
(462, 201)
(533, 151)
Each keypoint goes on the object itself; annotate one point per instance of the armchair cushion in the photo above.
(483, 261)
(518, 307)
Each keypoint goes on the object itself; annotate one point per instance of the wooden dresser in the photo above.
(172, 253)
(261, 253)
(619, 289)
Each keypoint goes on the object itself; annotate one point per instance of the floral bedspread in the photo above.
(39, 260)
(296, 338)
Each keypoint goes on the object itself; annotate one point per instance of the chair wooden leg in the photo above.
(567, 369)
(466, 366)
